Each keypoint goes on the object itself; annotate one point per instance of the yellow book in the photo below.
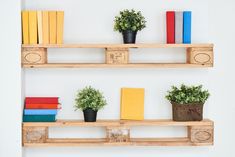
(52, 27)
(45, 27)
(60, 27)
(39, 16)
(132, 103)
(25, 27)
(33, 36)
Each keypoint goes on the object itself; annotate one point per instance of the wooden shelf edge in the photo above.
(133, 142)
(103, 123)
(130, 65)
(138, 45)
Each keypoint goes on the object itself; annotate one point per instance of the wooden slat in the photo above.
(101, 65)
(133, 142)
(103, 123)
(141, 45)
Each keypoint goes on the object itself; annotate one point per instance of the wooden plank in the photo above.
(141, 45)
(133, 142)
(131, 65)
(104, 123)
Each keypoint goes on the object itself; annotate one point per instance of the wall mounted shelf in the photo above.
(200, 133)
(117, 56)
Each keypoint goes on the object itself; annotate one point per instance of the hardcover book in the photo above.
(41, 100)
(179, 27)
(25, 27)
(132, 103)
(187, 27)
(39, 118)
(33, 32)
(40, 112)
(170, 24)
(60, 27)
(42, 106)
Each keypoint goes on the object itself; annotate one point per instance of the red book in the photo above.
(170, 24)
(42, 106)
(41, 100)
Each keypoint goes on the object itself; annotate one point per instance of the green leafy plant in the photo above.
(129, 20)
(187, 94)
(90, 98)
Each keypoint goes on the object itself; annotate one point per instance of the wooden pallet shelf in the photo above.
(200, 133)
(130, 65)
(117, 56)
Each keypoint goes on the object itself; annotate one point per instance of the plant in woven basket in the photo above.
(129, 22)
(187, 102)
(90, 100)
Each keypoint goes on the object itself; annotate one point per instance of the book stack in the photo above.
(178, 27)
(41, 109)
(42, 27)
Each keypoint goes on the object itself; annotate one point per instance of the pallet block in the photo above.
(34, 55)
(35, 134)
(201, 134)
(200, 55)
(117, 55)
(118, 133)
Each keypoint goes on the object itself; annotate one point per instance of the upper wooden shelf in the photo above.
(104, 123)
(141, 45)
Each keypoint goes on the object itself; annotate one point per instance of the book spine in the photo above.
(42, 106)
(187, 27)
(39, 118)
(39, 112)
(52, 27)
(41, 100)
(170, 22)
(60, 27)
(39, 18)
(25, 27)
(45, 27)
(33, 36)
(179, 27)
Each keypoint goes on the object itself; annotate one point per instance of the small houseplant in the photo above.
(90, 100)
(129, 22)
(187, 102)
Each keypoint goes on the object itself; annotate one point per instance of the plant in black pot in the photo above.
(90, 100)
(187, 102)
(129, 22)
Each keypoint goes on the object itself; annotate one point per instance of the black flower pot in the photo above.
(129, 36)
(89, 115)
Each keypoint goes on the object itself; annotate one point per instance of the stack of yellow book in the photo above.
(42, 27)
(132, 103)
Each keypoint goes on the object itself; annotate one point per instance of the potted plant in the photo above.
(90, 100)
(187, 102)
(129, 22)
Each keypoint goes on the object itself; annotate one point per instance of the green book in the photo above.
(39, 118)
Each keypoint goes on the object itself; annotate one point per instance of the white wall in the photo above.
(92, 21)
(10, 84)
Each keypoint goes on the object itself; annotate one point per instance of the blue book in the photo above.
(40, 112)
(187, 27)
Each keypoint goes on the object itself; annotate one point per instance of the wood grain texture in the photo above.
(104, 123)
(103, 65)
(140, 45)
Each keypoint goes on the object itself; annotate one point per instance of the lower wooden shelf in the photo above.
(200, 133)
(129, 65)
